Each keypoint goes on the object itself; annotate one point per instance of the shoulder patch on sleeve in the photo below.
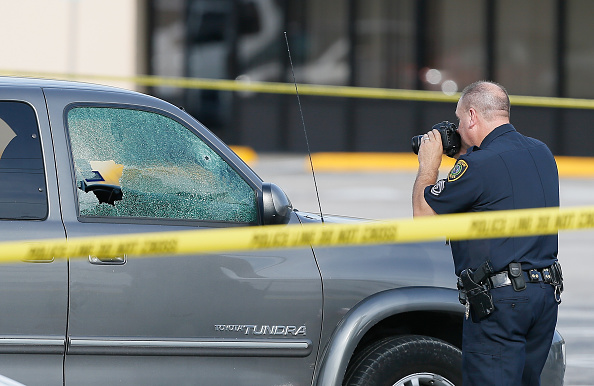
(458, 170)
(438, 188)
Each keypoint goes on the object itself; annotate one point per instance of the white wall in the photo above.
(98, 37)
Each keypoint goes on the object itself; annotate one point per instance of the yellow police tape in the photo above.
(304, 89)
(523, 222)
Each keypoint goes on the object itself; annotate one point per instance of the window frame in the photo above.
(155, 220)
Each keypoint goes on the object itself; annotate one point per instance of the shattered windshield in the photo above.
(133, 163)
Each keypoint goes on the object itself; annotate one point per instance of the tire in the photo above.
(406, 361)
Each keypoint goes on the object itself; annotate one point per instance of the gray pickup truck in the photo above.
(84, 160)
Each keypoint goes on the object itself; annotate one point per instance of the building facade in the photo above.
(104, 37)
(533, 47)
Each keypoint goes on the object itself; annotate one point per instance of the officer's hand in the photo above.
(430, 151)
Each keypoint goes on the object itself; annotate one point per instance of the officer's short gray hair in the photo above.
(490, 99)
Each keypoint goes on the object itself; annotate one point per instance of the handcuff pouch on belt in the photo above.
(474, 292)
(516, 276)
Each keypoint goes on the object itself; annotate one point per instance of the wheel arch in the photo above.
(381, 314)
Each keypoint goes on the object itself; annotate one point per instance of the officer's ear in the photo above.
(473, 117)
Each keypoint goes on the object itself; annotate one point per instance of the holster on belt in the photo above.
(476, 294)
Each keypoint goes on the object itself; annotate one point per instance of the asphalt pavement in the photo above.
(387, 195)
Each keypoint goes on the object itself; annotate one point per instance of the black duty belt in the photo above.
(474, 286)
(550, 275)
(501, 279)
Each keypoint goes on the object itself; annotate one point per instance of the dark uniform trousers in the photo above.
(510, 346)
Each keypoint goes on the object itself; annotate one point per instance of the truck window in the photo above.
(138, 164)
(22, 176)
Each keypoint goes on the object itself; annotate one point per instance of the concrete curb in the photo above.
(339, 162)
(581, 167)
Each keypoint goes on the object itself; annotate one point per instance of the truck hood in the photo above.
(307, 218)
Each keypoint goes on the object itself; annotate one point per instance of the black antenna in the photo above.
(304, 130)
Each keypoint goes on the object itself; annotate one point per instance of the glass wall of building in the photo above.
(384, 37)
(533, 47)
(377, 43)
(579, 52)
(455, 45)
(526, 46)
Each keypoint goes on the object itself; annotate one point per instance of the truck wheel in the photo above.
(406, 361)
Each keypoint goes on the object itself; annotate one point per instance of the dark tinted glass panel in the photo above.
(22, 179)
(526, 46)
(384, 46)
(580, 49)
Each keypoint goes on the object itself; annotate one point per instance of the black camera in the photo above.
(450, 139)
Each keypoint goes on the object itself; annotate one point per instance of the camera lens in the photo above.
(416, 142)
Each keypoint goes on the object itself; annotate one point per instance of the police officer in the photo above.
(497, 169)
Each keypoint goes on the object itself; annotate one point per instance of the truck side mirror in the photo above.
(276, 206)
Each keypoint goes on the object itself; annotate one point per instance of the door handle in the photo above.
(114, 260)
(48, 260)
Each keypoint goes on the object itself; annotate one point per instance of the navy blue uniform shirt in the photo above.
(508, 171)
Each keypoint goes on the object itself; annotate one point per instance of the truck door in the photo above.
(33, 293)
(224, 319)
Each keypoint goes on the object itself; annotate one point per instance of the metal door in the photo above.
(33, 293)
(249, 318)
